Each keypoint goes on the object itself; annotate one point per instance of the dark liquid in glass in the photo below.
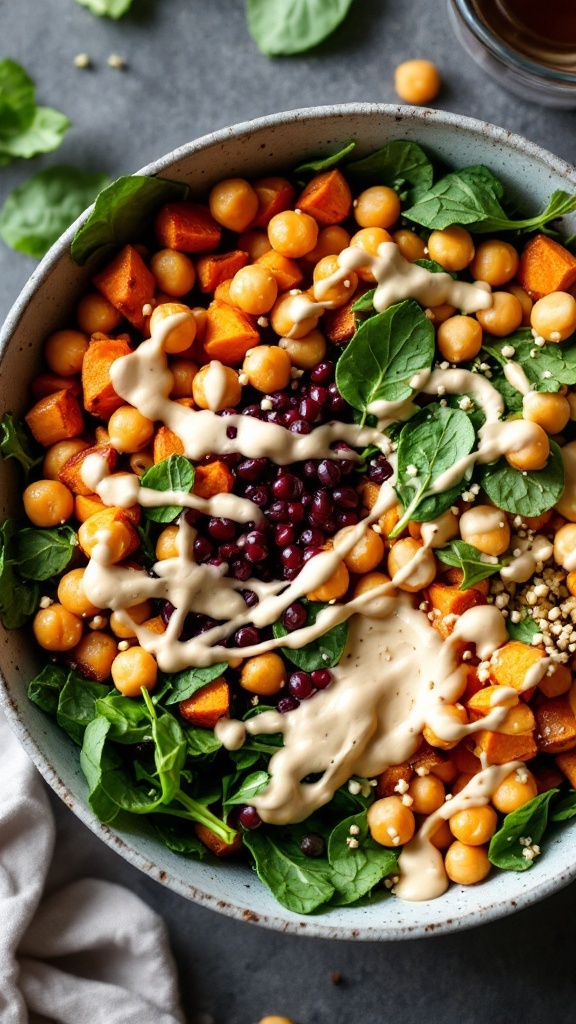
(542, 30)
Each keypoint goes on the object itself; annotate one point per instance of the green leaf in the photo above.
(243, 790)
(525, 493)
(77, 705)
(566, 808)
(128, 717)
(44, 134)
(284, 27)
(469, 560)
(547, 368)
(25, 129)
(400, 164)
(18, 600)
(172, 474)
(15, 442)
(324, 163)
(384, 354)
(201, 744)
(107, 8)
(42, 553)
(45, 689)
(434, 268)
(365, 304)
(528, 822)
(324, 652)
(187, 682)
(298, 882)
(36, 213)
(97, 763)
(523, 630)
(355, 871)
(120, 213)
(180, 837)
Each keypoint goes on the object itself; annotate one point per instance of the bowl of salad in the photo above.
(288, 531)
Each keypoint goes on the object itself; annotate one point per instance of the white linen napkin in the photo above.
(90, 952)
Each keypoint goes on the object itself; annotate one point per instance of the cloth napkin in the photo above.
(91, 951)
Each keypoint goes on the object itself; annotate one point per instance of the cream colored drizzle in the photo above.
(215, 384)
(517, 378)
(481, 519)
(437, 532)
(566, 506)
(532, 551)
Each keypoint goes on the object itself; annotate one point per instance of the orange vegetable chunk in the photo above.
(215, 478)
(71, 472)
(555, 726)
(207, 705)
(55, 418)
(274, 196)
(546, 266)
(100, 399)
(166, 443)
(188, 227)
(327, 198)
(286, 272)
(213, 270)
(216, 845)
(127, 284)
(229, 333)
(510, 663)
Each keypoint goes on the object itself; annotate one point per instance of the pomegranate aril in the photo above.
(321, 678)
(284, 535)
(246, 636)
(313, 536)
(294, 617)
(286, 487)
(291, 556)
(300, 427)
(249, 818)
(250, 597)
(310, 410)
(258, 493)
(253, 410)
(286, 704)
(346, 497)
(322, 372)
(312, 845)
(167, 611)
(347, 518)
(253, 470)
(319, 394)
(290, 417)
(222, 529)
(379, 470)
(300, 685)
(203, 549)
(310, 552)
(241, 570)
(329, 473)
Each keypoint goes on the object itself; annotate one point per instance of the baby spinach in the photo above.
(201, 744)
(356, 870)
(298, 882)
(237, 790)
(44, 553)
(434, 268)
(384, 353)
(566, 808)
(547, 368)
(45, 689)
(128, 717)
(401, 165)
(179, 837)
(365, 304)
(107, 8)
(120, 211)
(184, 684)
(525, 493)
(172, 474)
(99, 762)
(433, 441)
(325, 651)
(469, 560)
(523, 630)
(25, 129)
(527, 822)
(18, 600)
(36, 213)
(77, 705)
(15, 442)
(283, 27)
(324, 163)
(169, 749)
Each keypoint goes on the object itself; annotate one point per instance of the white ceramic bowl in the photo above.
(256, 148)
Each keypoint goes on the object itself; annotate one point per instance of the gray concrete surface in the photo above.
(192, 68)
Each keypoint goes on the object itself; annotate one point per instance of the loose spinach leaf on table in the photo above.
(184, 684)
(325, 651)
(284, 27)
(298, 882)
(172, 474)
(324, 163)
(18, 599)
(25, 129)
(45, 689)
(384, 354)
(120, 211)
(525, 493)
(77, 704)
(528, 822)
(565, 808)
(400, 164)
(44, 553)
(15, 442)
(523, 630)
(356, 870)
(107, 8)
(469, 560)
(36, 213)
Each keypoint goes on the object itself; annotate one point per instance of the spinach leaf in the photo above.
(243, 790)
(566, 808)
(77, 705)
(169, 749)
(201, 744)
(469, 560)
(528, 822)
(18, 600)
(99, 763)
(383, 355)
(107, 8)
(129, 718)
(43, 553)
(45, 689)
(523, 630)
(15, 443)
(120, 212)
(365, 304)
(324, 163)
(547, 368)
(179, 836)
(25, 129)
(36, 213)
(325, 651)
(172, 474)
(244, 759)
(525, 493)
(283, 27)
(431, 442)
(298, 882)
(434, 268)
(355, 871)
(400, 164)
(187, 682)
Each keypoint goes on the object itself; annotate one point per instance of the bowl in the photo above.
(265, 146)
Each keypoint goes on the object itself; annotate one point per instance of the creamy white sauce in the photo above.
(215, 385)
(532, 551)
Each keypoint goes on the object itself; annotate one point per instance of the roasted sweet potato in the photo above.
(390, 778)
(207, 705)
(447, 602)
(71, 472)
(127, 284)
(511, 663)
(485, 700)
(214, 270)
(555, 726)
(229, 334)
(155, 625)
(274, 196)
(55, 418)
(86, 505)
(216, 845)
(340, 324)
(286, 272)
(547, 777)
(558, 683)
(465, 759)
(47, 383)
(500, 748)
(327, 198)
(115, 522)
(215, 478)
(166, 443)
(188, 227)
(546, 266)
(567, 765)
(100, 399)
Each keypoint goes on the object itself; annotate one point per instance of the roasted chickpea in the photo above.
(336, 292)
(183, 371)
(265, 674)
(64, 352)
(550, 411)
(293, 234)
(495, 262)
(516, 790)
(254, 290)
(233, 203)
(48, 503)
(267, 367)
(58, 454)
(408, 552)
(565, 545)
(138, 612)
(255, 243)
(390, 822)
(457, 713)
(503, 317)
(334, 587)
(411, 246)
(446, 771)
(331, 241)
(377, 606)
(306, 352)
(369, 239)
(119, 539)
(367, 552)
(417, 81)
(466, 865)
(427, 792)
(72, 596)
(524, 300)
(180, 337)
(438, 314)
(201, 319)
(439, 530)
(534, 453)
(452, 248)
(474, 825)
(459, 339)
(57, 629)
(485, 528)
(284, 317)
(442, 837)
(174, 272)
(94, 313)
(129, 430)
(94, 655)
(166, 545)
(377, 207)
(133, 669)
(216, 387)
(275, 1020)
(554, 316)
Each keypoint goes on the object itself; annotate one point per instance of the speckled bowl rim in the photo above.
(318, 926)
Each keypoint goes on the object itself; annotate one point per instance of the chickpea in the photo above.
(571, 583)
(254, 290)
(417, 81)
(515, 791)
(129, 430)
(503, 317)
(166, 545)
(377, 207)
(457, 713)
(282, 318)
(94, 655)
(369, 239)
(466, 865)
(94, 313)
(452, 248)
(459, 338)
(71, 595)
(533, 455)
(233, 203)
(441, 529)
(201, 319)
(57, 629)
(549, 411)
(438, 314)
(255, 243)
(409, 552)
(495, 262)
(48, 503)
(565, 545)
(331, 241)
(427, 792)
(174, 272)
(141, 462)
(306, 352)
(524, 300)
(485, 528)
(554, 316)
(367, 552)
(442, 837)
(446, 771)
(474, 825)
(334, 587)
(264, 674)
(391, 823)
(133, 669)
(293, 234)
(267, 367)
(227, 392)
(461, 782)
(58, 454)
(275, 1020)
(119, 539)
(183, 371)
(377, 606)
(181, 337)
(138, 612)
(411, 246)
(64, 352)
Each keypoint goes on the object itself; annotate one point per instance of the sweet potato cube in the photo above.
(71, 472)
(485, 700)
(546, 266)
(556, 684)
(567, 765)
(340, 324)
(327, 198)
(127, 284)
(214, 270)
(465, 759)
(100, 399)
(547, 777)
(555, 726)
(286, 272)
(123, 536)
(86, 505)
(390, 778)
(215, 478)
(55, 418)
(216, 845)
(511, 663)
(188, 227)
(519, 721)
(229, 333)
(166, 443)
(448, 602)
(47, 383)
(455, 576)
(207, 705)
(500, 748)
(274, 196)
(155, 625)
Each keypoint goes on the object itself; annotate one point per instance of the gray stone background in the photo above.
(192, 68)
